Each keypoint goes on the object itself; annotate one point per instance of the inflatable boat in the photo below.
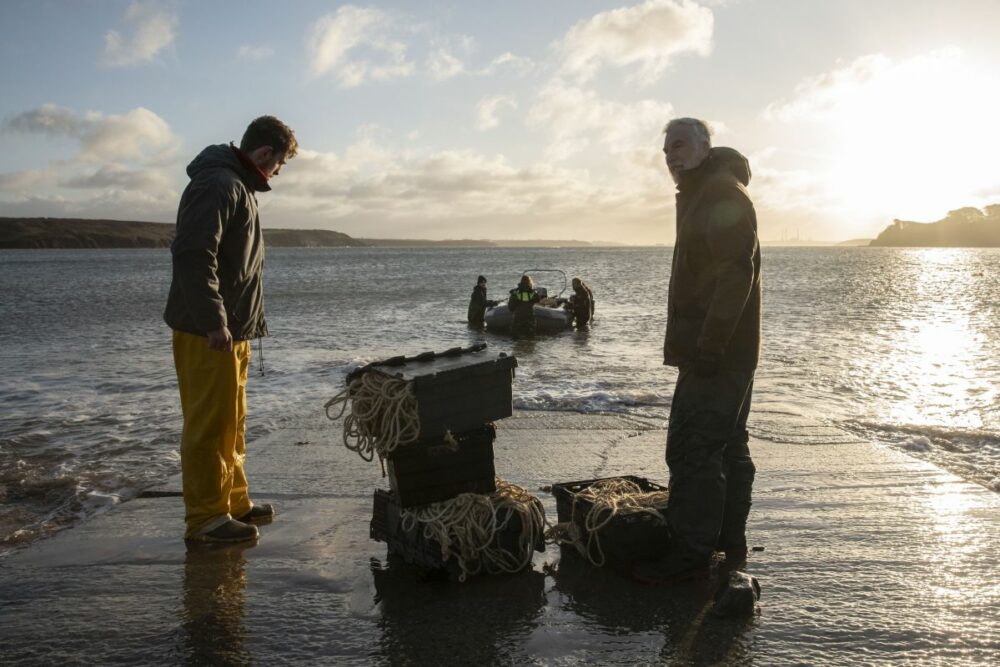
(550, 317)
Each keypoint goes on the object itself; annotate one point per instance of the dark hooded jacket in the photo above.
(477, 304)
(583, 304)
(218, 252)
(714, 303)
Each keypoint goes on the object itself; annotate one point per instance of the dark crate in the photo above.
(508, 539)
(429, 471)
(412, 546)
(627, 537)
(457, 390)
(420, 551)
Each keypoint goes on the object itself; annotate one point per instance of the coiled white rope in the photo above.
(383, 414)
(466, 527)
(609, 498)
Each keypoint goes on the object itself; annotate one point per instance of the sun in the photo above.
(916, 138)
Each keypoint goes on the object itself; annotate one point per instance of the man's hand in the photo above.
(220, 340)
(707, 364)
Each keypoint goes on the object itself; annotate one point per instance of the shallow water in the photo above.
(897, 345)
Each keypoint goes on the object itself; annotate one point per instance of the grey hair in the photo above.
(699, 127)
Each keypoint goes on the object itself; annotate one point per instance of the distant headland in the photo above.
(962, 228)
(26, 233)
(42, 233)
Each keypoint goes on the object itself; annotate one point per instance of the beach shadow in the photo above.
(212, 626)
(682, 612)
(439, 622)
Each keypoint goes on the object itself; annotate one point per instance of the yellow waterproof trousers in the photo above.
(213, 445)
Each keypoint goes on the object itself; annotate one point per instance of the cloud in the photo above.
(149, 29)
(447, 56)
(359, 45)
(446, 62)
(574, 115)
(507, 61)
(19, 181)
(647, 37)
(787, 189)
(254, 53)
(489, 108)
(47, 119)
(462, 193)
(123, 165)
(121, 204)
(819, 96)
(355, 45)
(119, 177)
(443, 64)
(135, 135)
(442, 183)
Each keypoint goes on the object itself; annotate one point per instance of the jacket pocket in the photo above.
(682, 338)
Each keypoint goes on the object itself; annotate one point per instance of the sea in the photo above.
(896, 346)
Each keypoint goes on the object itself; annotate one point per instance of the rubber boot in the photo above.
(740, 474)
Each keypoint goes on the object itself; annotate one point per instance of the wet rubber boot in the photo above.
(737, 595)
(680, 565)
(262, 513)
(732, 537)
(230, 531)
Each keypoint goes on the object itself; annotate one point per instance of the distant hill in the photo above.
(76, 233)
(962, 228)
(79, 233)
(310, 238)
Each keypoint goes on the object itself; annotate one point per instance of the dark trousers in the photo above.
(711, 472)
(523, 327)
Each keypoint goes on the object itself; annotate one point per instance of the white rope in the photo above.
(609, 498)
(515, 501)
(383, 414)
(466, 527)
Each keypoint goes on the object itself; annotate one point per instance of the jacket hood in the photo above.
(730, 159)
(221, 156)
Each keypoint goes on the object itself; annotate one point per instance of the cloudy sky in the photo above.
(447, 119)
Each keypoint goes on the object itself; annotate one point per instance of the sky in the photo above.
(512, 120)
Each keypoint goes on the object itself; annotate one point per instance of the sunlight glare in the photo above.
(917, 139)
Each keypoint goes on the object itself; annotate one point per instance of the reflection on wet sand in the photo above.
(442, 623)
(614, 604)
(212, 624)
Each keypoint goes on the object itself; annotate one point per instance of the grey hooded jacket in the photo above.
(714, 303)
(218, 252)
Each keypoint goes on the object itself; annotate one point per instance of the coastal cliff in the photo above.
(22, 233)
(962, 228)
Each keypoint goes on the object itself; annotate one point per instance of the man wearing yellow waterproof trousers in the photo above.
(215, 307)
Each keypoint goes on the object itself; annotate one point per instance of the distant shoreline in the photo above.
(961, 228)
(81, 233)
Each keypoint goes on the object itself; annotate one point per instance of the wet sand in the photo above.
(870, 556)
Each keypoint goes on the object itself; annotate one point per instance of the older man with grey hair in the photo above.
(713, 338)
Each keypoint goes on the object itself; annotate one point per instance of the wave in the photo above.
(43, 492)
(973, 454)
(649, 404)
